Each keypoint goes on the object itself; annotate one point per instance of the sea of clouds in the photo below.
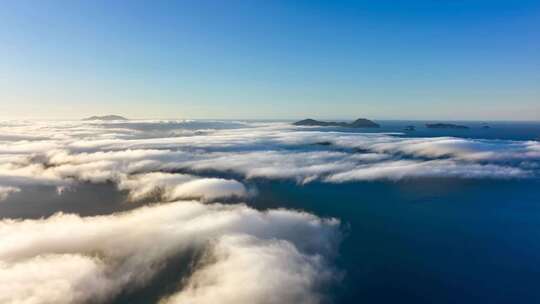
(184, 169)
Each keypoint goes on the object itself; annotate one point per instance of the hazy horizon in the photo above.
(288, 119)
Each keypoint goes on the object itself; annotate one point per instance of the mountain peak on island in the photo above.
(106, 117)
(359, 123)
(363, 123)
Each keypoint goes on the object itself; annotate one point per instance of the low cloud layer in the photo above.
(61, 153)
(170, 187)
(186, 168)
(277, 273)
(72, 259)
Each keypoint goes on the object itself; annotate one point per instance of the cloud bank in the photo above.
(72, 259)
(235, 254)
(62, 153)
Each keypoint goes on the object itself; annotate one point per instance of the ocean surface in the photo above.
(429, 241)
(412, 240)
(434, 240)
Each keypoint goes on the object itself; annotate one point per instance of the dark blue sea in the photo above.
(431, 240)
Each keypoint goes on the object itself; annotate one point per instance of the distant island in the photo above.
(359, 123)
(106, 117)
(445, 126)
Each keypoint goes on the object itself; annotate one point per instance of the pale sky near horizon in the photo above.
(417, 59)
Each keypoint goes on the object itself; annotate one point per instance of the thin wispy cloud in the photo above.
(68, 152)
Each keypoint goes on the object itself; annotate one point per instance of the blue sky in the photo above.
(381, 59)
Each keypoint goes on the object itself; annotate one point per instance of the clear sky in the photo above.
(416, 59)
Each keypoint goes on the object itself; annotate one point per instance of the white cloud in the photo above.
(67, 258)
(5, 191)
(55, 278)
(170, 187)
(67, 152)
(395, 170)
(208, 189)
(277, 273)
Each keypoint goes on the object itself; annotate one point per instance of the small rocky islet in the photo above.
(359, 123)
